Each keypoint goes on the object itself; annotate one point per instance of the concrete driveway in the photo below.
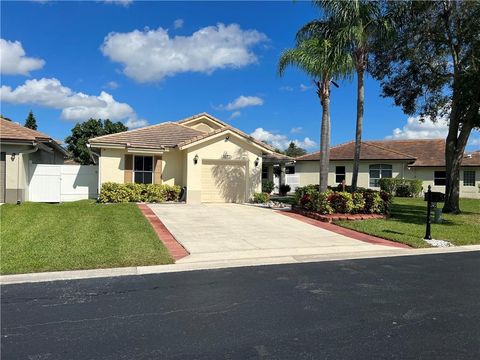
(233, 232)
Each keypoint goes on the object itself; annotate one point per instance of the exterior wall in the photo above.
(111, 165)
(172, 167)
(16, 172)
(308, 171)
(215, 149)
(44, 157)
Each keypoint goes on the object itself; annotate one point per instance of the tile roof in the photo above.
(168, 135)
(423, 152)
(10, 130)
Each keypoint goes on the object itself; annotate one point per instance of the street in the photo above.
(415, 307)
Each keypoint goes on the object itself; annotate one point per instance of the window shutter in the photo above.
(128, 172)
(157, 178)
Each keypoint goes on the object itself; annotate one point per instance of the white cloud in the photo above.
(286, 88)
(281, 141)
(235, 114)
(112, 85)
(243, 102)
(124, 3)
(178, 24)
(13, 60)
(305, 87)
(152, 55)
(74, 106)
(415, 129)
(296, 130)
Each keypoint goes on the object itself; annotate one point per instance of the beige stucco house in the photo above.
(405, 159)
(19, 148)
(213, 160)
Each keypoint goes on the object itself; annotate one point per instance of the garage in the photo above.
(223, 181)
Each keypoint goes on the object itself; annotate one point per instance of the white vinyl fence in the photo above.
(60, 183)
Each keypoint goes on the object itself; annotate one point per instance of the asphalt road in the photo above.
(418, 307)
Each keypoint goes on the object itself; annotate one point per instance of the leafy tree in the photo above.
(5, 118)
(82, 132)
(431, 67)
(356, 24)
(319, 55)
(31, 122)
(294, 151)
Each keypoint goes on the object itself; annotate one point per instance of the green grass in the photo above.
(77, 235)
(288, 199)
(407, 224)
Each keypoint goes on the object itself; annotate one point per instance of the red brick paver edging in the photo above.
(176, 250)
(343, 231)
(335, 217)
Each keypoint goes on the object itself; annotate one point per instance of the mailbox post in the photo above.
(431, 198)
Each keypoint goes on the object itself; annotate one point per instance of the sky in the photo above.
(147, 62)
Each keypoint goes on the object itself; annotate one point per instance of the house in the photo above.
(213, 160)
(20, 147)
(405, 159)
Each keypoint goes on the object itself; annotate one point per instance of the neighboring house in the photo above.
(213, 160)
(405, 159)
(19, 148)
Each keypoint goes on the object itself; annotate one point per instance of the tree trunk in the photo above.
(359, 125)
(324, 94)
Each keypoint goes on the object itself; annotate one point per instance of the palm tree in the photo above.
(355, 24)
(320, 57)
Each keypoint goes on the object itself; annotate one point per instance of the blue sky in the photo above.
(166, 61)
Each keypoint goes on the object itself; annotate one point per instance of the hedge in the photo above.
(118, 193)
(401, 187)
(261, 198)
(365, 201)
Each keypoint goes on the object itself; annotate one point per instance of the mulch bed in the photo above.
(336, 217)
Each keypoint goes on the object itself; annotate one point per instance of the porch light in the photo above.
(195, 159)
(227, 138)
(13, 156)
(256, 161)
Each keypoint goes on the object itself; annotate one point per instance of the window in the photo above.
(469, 178)
(439, 178)
(379, 171)
(143, 169)
(339, 174)
(290, 169)
(264, 172)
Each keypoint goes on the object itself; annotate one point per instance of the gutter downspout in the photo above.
(35, 148)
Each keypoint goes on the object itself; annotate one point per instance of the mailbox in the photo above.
(435, 196)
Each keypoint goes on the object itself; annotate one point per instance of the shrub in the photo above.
(401, 187)
(116, 193)
(305, 191)
(267, 186)
(261, 198)
(284, 189)
(341, 202)
(358, 202)
(373, 202)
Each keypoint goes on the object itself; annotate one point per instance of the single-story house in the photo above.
(213, 160)
(405, 159)
(20, 147)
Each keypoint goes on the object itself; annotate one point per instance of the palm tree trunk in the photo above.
(325, 134)
(359, 126)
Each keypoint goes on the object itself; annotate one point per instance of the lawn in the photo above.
(77, 235)
(407, 224)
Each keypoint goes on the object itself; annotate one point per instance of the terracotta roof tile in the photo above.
(422, 152)
(10, 130)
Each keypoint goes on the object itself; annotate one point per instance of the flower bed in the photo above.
(335, 217)
(119, 193)
(334, 201)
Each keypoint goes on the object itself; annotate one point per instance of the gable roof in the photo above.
(170, 135)
(420, 152)
(10, 130)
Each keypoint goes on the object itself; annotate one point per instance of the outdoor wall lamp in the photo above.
(195, 159)
(256, 161)
(13, 156)
(227, 138)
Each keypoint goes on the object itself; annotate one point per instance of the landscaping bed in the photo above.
(38, 237)
(335, 217)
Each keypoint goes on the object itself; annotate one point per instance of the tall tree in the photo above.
(431, 67)
(31, 122)
(82, 132)
(294, 151)
(320, 57)
(356, 24)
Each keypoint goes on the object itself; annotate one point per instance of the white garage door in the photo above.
(224, 181)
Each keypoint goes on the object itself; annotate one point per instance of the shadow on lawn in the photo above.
(412, 214)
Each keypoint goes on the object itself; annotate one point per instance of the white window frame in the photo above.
(134, 171)
(337, 174)
(440, 178)
(474, 178)
(380, 169)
